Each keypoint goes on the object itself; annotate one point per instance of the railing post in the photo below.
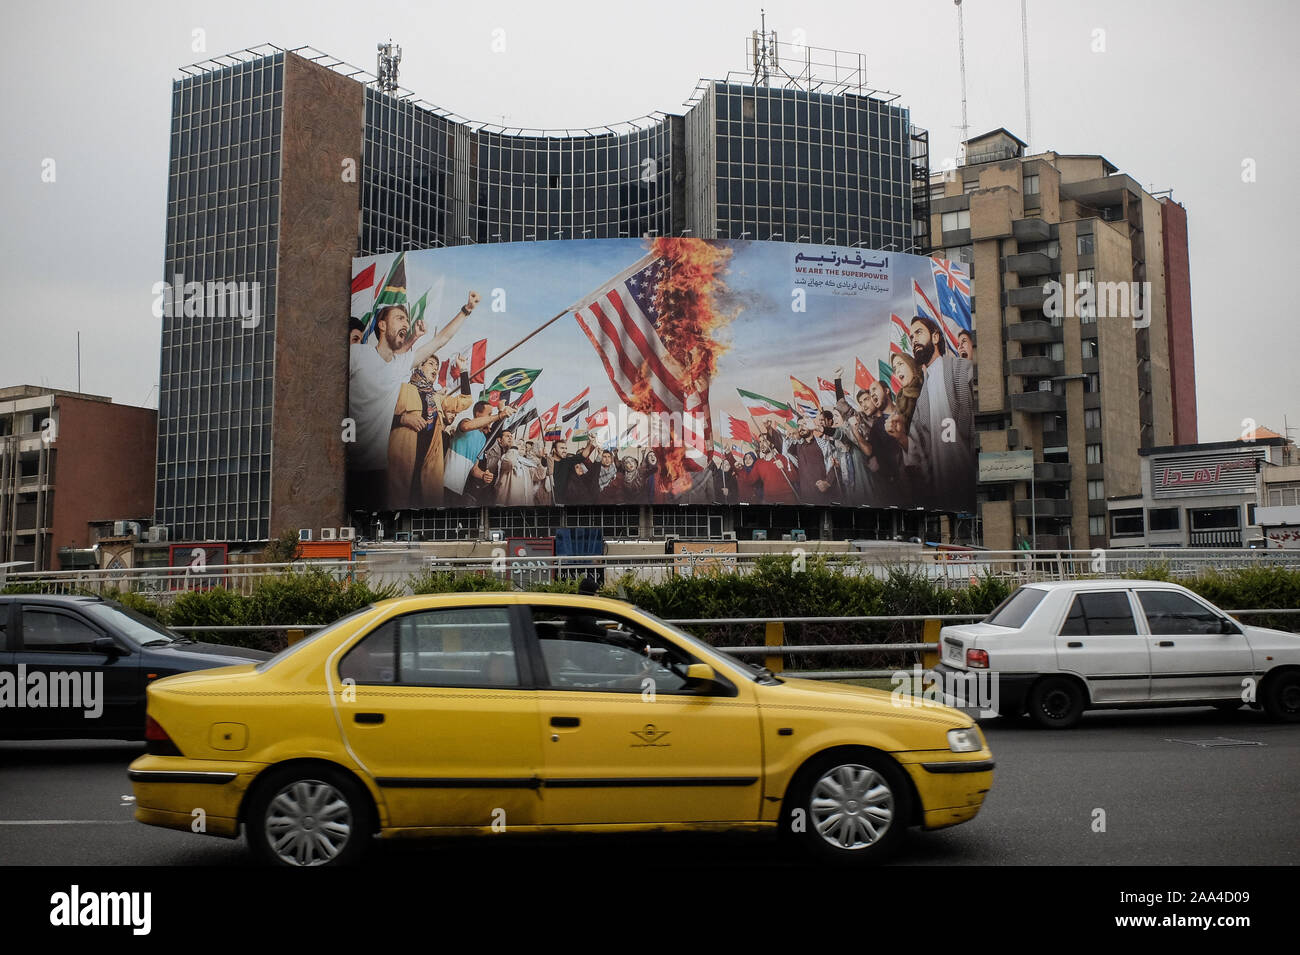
(293, 635)
(930, 634)
(774, 636)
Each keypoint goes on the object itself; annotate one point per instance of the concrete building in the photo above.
(286, 164)
(1204, 495)
(1083, 329)
(67, 460)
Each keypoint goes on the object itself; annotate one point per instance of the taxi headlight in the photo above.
(967, 740)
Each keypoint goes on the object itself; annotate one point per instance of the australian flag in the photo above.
(952, 285)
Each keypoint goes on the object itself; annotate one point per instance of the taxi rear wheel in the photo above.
(309, 816)
(850, 807)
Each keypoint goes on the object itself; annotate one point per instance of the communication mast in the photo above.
(390, 55)
(961, 59)
(766, 58)
(1024, 43)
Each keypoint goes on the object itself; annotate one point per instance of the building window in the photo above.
(1163, 519)
(1031, 185)
(1088, 348)
(1093, 455)
(1097, 526)
(1126, 523)
(1085, 245)
(969, 186)
(1284, 495)
(937, 190)
(958, 253)
(1096, 490)
(955, 221)
(1091, 418)
(1092, 383)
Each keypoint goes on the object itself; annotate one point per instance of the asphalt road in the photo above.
(1186, 787)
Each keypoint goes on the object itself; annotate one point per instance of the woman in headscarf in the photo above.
(609, 486)
(912, 379)
(747, 480)
(633, 491)
(415, 444)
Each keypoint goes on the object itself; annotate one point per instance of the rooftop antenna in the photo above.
(1024, 44)
(390, 55)
(961, 59)
(764, 50)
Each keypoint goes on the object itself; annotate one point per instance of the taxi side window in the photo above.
(1099, 614)
(457, 647)
(582, 650)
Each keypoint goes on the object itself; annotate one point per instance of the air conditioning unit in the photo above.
(347, 533)
(304, 533)
(329, 534)
(798, 535)
(158, 534)
(760, 535)
(119, 529)
(728, 535)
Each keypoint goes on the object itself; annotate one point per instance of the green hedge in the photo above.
(776, 587)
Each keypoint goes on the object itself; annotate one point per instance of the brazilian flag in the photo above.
(513, 379)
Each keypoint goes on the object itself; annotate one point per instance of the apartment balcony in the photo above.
(1031, 230)
(1032, 263)
(1052, 472)
(1055, 542)
(1033, 331)
(1044, 507)
(1037, 402)
(1039, 366)
(1030, 296)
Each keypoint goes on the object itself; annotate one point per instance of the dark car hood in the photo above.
(202, 655)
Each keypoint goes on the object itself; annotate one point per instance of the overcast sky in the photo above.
(1177, 94)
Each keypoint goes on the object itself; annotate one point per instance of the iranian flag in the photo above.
(759, 405)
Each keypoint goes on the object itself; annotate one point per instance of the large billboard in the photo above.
(660, 371)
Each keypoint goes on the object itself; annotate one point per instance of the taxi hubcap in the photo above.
(308, 823)
(852, 806)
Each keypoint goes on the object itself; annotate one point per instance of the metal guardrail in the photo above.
(776, 651)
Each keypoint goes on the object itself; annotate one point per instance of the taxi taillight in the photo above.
(157, 742)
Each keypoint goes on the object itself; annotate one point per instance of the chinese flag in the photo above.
(861, 377)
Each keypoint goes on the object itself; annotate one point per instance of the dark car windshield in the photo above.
(129, 623)
(1016, 609)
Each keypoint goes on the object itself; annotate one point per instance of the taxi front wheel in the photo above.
(851, 807)
(310, 816)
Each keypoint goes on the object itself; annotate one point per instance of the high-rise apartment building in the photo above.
(284, 165)
(1083, 330)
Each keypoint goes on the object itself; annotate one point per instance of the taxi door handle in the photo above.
(565, 721)
(368, 717)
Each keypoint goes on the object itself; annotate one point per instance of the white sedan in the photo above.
(1054, 650)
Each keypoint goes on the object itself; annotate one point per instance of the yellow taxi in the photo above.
(523, 712)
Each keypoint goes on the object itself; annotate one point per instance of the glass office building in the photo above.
(744, 161)
(216, 373)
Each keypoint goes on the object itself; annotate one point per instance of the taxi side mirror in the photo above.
(700, 676)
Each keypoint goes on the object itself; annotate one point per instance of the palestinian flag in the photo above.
(759, 405)
(805, 399)
(514, 379)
